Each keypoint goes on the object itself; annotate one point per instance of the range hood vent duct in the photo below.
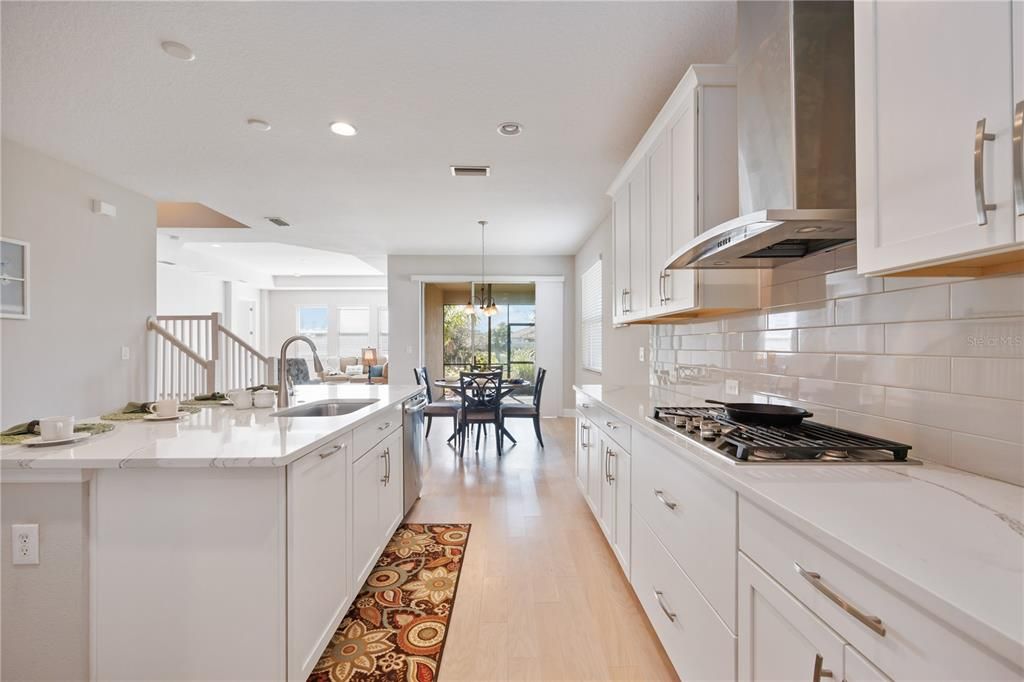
(795, 105)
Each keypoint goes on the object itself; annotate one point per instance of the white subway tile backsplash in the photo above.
(995, 378)
(990, 417)
(857, 397)
(991, 338)
(934, 362)
(992, 297)
(818, 314)
(988, 457)
(928, 373)
(928, 303)
(861, 339)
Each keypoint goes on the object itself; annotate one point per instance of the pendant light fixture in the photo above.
(486, 300)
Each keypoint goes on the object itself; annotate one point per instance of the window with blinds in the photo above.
(590, 322)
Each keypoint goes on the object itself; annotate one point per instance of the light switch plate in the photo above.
(25, 544)
(641, 353)
(126, 353)
(732, 387)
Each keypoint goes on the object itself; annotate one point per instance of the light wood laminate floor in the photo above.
(541, 596)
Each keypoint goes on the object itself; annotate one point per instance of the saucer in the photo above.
(227, 403)
(38, 440)
(158, 418)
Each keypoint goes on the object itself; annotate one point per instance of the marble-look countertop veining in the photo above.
(216, 436)
(951, 541)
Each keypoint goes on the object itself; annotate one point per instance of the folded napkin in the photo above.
(209, 397)
(135, 408)
(26, 429)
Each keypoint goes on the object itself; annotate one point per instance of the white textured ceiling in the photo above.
(426, 83)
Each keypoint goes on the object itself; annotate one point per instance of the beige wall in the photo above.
(620, 346)
(92, 286)
(433, 330)
(407, 323)
(44, 612)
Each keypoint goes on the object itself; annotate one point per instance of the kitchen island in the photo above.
(229, 545)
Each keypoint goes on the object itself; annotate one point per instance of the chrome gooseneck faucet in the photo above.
(285, 388)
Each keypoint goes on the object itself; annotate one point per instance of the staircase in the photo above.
(194, 354)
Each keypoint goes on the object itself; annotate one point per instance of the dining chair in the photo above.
(517, 410)
(438, 408)
(480, 393)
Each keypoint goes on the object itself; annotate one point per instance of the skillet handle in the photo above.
(715, 402)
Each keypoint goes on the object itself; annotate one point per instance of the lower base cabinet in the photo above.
(377, 504)
(697, 642)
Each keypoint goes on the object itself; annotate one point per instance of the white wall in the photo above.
(406, 325)
(181, 292)
(93, 284)
(620, 346)
(283, 305)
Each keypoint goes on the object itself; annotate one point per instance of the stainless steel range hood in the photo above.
(796, 138)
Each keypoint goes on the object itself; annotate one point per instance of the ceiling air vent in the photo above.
(470, 171)
(280, 222)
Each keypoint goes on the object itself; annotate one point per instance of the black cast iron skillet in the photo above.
(761, 413)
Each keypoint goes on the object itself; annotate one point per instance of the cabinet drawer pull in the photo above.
(611, 425)
(660, 494)
(658, 594)
(819, 672)
(1018, 157)
(665, 297)
(980, 138)
(327, 453)
(384, 426)
(872, 622)
(609, 476)
(384, 458)
(584, 429)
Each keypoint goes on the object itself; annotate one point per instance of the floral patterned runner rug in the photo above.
(396, 628)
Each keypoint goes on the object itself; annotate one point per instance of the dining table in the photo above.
(507, 389)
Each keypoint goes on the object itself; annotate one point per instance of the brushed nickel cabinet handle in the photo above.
(626, 295)
(819, 672)
(611, 425)
(660, 494)
(611, 476)
(1018, 157)
(584, 429)
(980, 138)
(658, 594)
(384, 426)
(327, 453)
(874, 623)
(666, 275)
(384, 478)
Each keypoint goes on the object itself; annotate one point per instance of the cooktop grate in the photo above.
(807, 440)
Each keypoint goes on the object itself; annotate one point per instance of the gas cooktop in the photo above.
(807, 442)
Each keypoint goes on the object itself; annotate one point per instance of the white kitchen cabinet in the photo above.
(619, 467)
(595, 471)
(1018, 117)
(856, 668)
(376, 504)
(606, 505)
(686, 164)
(779, 639)
(928, 76)
(319, 587)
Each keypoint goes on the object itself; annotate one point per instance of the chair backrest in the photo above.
(539, 386)
(481, 391)
(297, 370)
(416, 376)
(426, 382)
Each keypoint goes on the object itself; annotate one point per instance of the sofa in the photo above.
(340, 374)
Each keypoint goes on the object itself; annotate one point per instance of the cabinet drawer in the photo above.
(603, 419)
(375, 430)
(693, 515)
(700, 646)
(915, 644)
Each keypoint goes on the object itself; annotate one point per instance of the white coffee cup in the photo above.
(241, 398)
(164, 408)
(57, 428)
(264, 398)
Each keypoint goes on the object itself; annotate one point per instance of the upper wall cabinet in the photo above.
(936, 93)
(679, 181)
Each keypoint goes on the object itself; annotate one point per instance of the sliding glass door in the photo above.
(506, 340)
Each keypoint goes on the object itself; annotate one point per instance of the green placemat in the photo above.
(122, 416)
(91, 427)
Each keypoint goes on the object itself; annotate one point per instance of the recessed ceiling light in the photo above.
(510, 128)
(258, 124)
(809, 228)
(178, 51)
(342, 128)
(214, 246)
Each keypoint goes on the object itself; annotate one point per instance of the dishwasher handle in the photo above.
(417, 407)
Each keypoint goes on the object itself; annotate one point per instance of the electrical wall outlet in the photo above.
(126, 353)
(25, 543)
(641, 353)
(732, 387)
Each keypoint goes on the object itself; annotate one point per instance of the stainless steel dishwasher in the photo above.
(412, 450)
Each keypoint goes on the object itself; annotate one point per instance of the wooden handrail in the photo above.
(170, 338)
(207, 318)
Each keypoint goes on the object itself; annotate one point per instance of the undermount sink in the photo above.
(325, 408)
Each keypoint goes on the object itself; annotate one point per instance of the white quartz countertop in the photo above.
(951, 541)
(216, 436)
